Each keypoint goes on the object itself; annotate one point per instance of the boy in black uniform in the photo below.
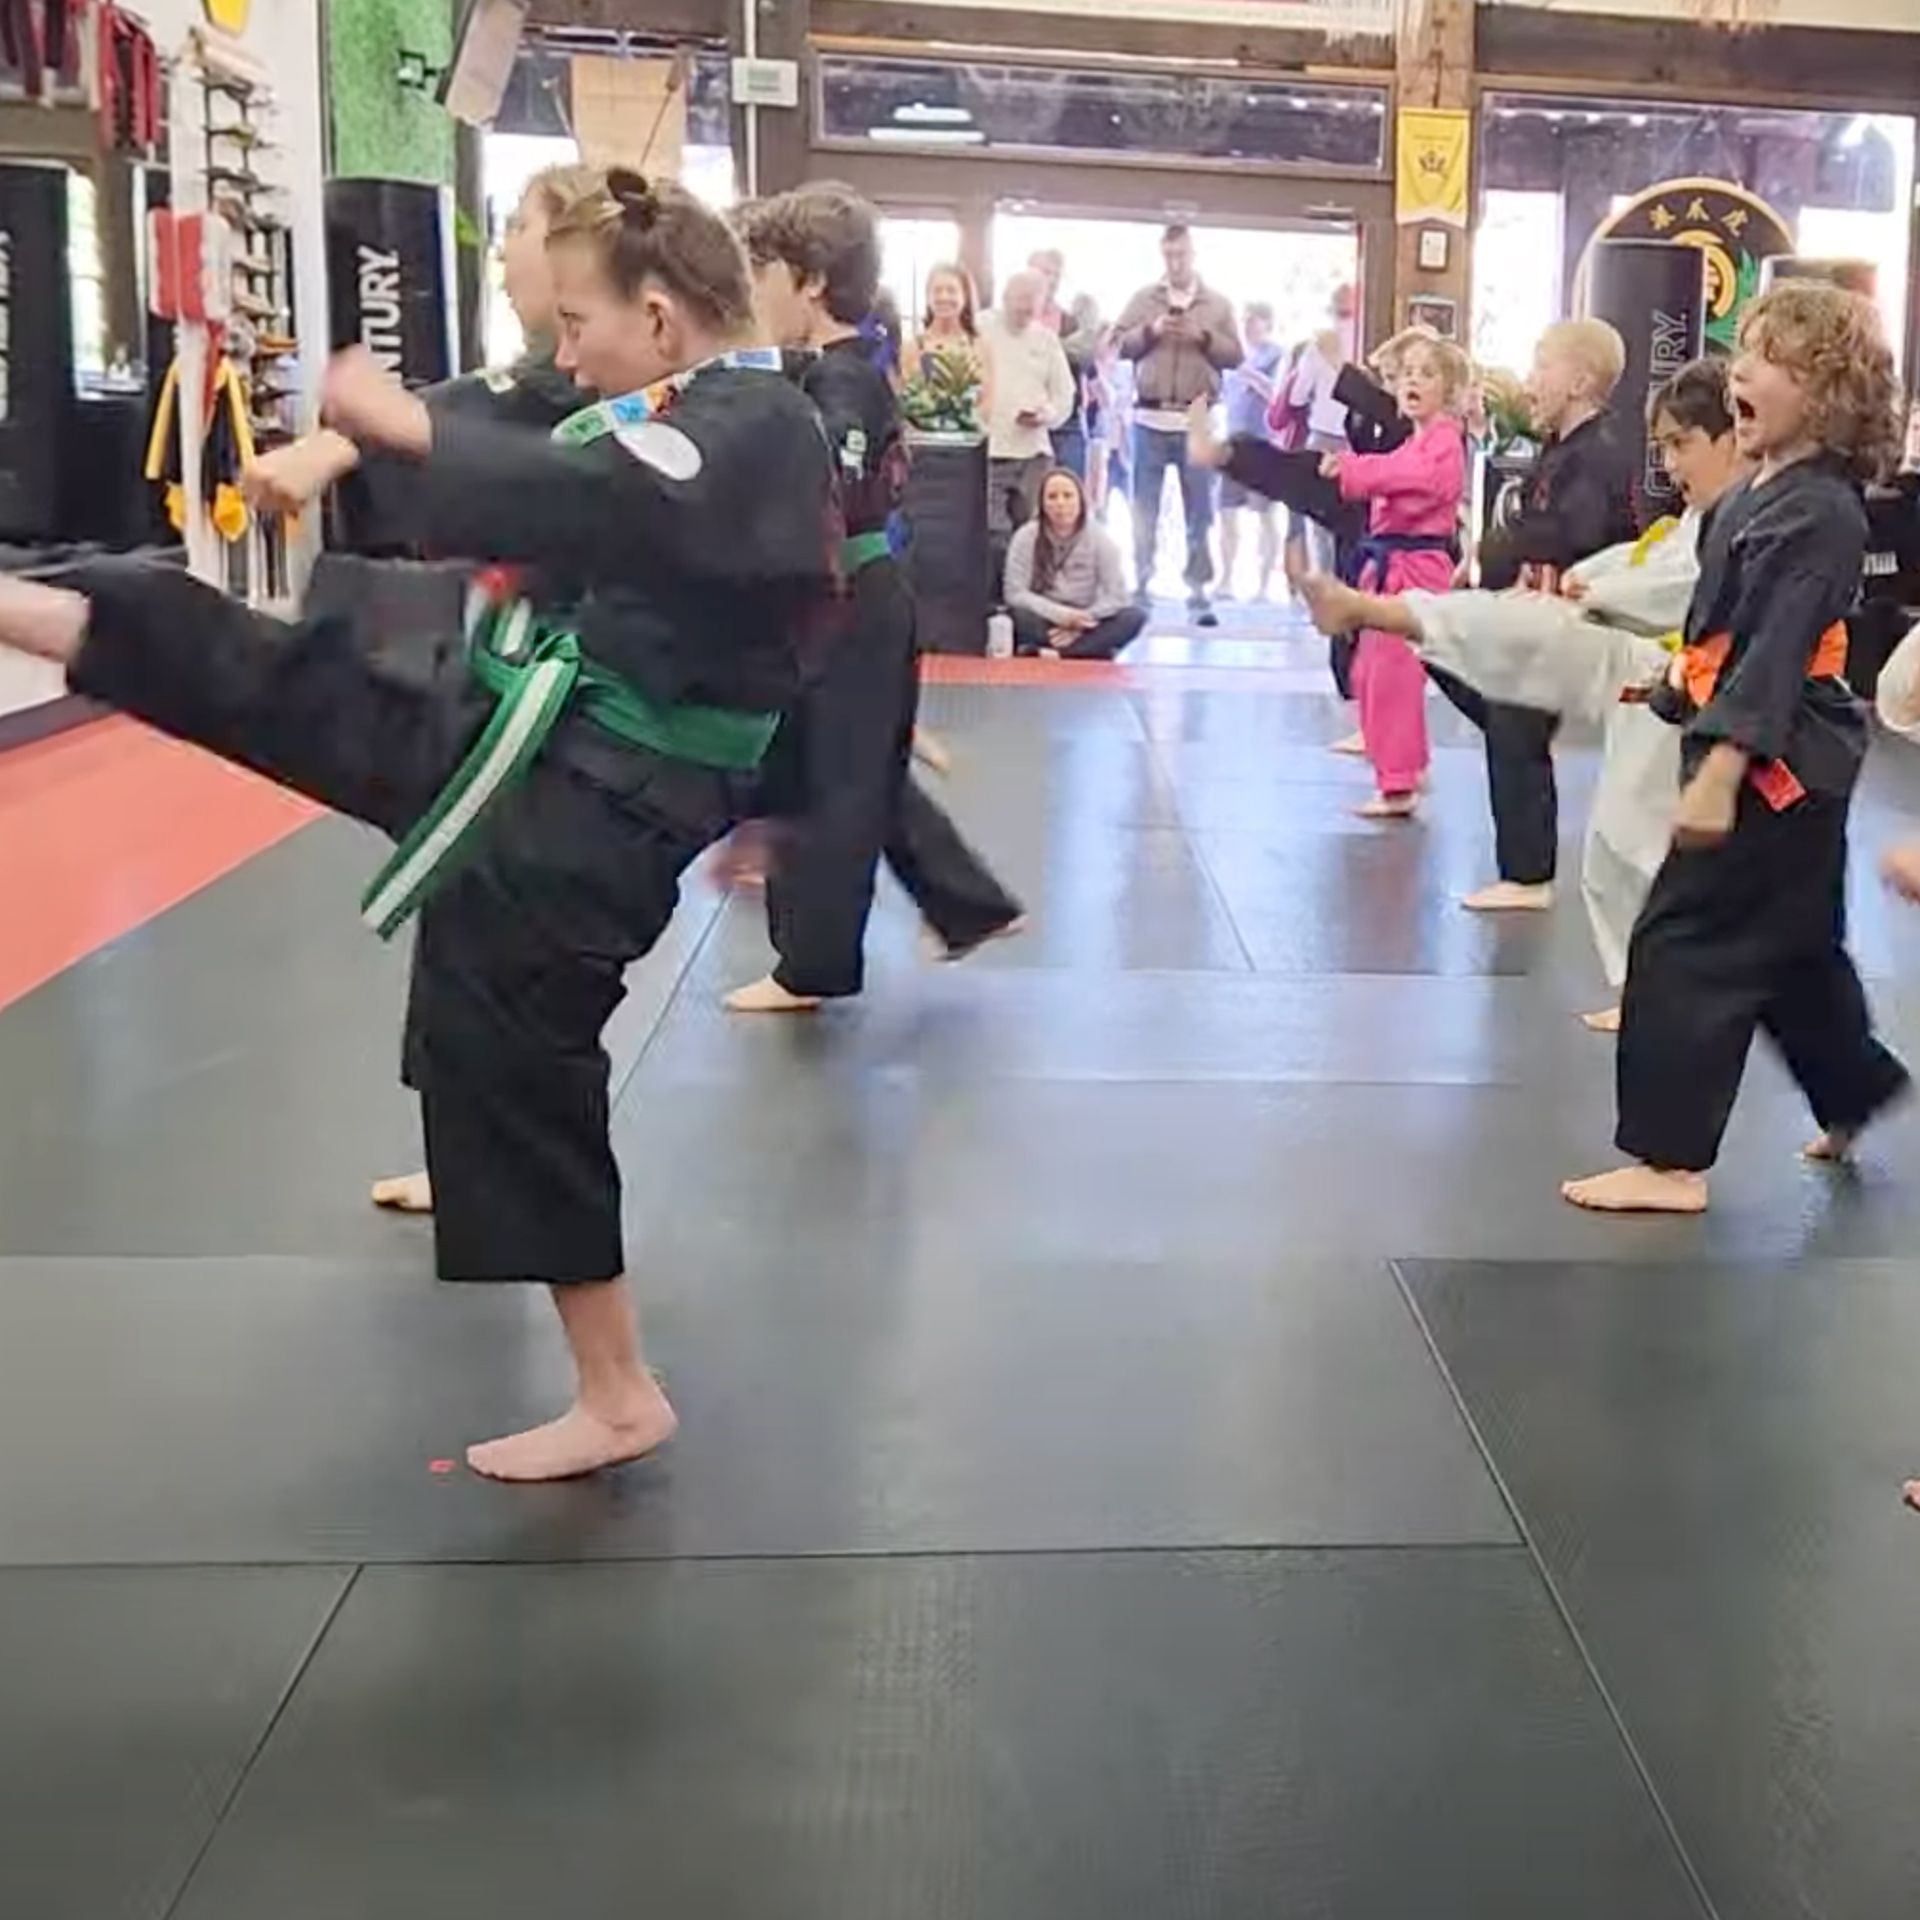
(838, 782)
(1746, 925)
(1579, 500)
(550, 791)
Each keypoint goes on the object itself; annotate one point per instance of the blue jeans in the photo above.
(1154, 452)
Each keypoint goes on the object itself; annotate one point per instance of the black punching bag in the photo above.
(1654, 292)
(390, 275)
(36, 349)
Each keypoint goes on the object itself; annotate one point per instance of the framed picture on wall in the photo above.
(1435, 311)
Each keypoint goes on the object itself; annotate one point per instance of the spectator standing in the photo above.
(1029, 393)
(1181, 337)
(1078, 326)
(1310, 390)
(1065, 587)
(1250, 393)
(949, 334)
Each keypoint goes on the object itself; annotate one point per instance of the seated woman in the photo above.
(1064, 585)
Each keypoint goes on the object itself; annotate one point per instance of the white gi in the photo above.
(1579, 657)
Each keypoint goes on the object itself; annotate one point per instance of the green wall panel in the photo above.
(382, 130)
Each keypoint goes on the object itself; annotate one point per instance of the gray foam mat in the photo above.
(1051, 1738)
(844, 1398)
(1708, 1458)
(131, 1703)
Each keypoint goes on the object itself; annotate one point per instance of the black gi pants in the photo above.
(1749, 934)
(522, 951)
(839, 786)
(1520, 783)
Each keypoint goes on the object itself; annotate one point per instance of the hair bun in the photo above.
(633, 194)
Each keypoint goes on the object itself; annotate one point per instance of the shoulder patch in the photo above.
(499, 380)
(663, 447)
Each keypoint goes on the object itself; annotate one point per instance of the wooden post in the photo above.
(1435, 49)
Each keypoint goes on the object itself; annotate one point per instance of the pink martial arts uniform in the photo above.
(1412, 528)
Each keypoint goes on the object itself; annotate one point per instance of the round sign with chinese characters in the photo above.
(1736, 230)
(230, 16)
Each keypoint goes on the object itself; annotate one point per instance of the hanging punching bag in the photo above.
(1654, 294)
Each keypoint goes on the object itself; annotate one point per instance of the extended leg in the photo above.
(955, 891)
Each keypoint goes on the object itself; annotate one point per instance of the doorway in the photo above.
(1294, 269)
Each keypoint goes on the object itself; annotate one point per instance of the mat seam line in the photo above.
(1164, 774)
(667, 1006)
(259, 1746)
(1631, 1747)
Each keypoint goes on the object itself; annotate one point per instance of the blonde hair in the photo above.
(556, 189)
(1594, 348)
(1449, 358)
(1832, 342)
(1386, 357)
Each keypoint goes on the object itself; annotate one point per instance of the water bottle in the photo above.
(1000, 637)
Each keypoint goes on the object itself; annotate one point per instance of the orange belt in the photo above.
(1700, 667)
(1701, 663)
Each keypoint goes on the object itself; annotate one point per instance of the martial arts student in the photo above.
(1596, 651)
(837, 780)
(1579, 500)
(1746, 925)
(1413, 496)
(533, 392)
(549, 792)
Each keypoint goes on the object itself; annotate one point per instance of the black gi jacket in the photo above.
(1579, 500)
(1779, 565)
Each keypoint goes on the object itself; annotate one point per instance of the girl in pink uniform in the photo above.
(1412, 541)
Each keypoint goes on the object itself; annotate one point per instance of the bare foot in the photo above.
(1607, 1020)
(582, 1440)
(769, 996)
(1332, 605)
(408, 1193)
(1355, 745)
(1910, 1493)
(1011, 930)
(931, 751)
(1833, 1148)
(1510, 896)
(1389, 806)
(1639, 1189)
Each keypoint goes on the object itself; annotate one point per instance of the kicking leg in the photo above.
(1337, 608)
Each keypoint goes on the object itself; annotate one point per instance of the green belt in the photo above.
(530, 693)
(860, 550)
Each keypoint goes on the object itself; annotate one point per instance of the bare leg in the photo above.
(618, 1412)
(1229, 551)
(1269, 550)
(47, 622)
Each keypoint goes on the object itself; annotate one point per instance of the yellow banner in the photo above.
(1430, 166)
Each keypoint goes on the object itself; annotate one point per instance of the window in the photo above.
(86, 277)
(970, 106)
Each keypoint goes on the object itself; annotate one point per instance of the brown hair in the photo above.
(658, 232)
(1048, 553)
(1695, 397)
(822, 228)
(1832, 342)
(953, 271)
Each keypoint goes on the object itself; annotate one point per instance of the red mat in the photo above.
(109, 825)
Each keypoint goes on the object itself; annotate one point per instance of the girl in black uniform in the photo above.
(550, 792)
(839, 785)
(1746, 925)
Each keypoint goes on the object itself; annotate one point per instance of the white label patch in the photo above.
(663, 447)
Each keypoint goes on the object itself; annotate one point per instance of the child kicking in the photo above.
(1745, 926)
(1595, 651)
